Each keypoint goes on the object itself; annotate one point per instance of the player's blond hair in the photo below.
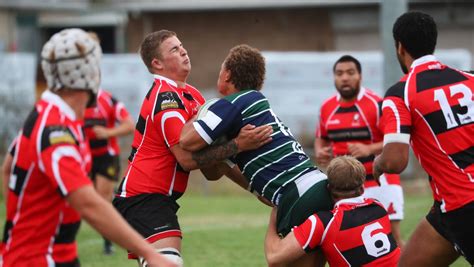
(346, 176)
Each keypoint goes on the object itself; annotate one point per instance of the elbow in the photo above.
(212, 177)
(395, 166)
(271, 260)
(186, 144)
(187, 166)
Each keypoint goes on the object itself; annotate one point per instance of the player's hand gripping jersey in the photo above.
(355, 233)
(52, 159)
(269, 167)
(432, 107)
(152, 167)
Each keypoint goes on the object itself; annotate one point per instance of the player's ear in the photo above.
(400, 49)
(227, 75)
(157, 64)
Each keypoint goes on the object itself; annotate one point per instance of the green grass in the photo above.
(224, 230)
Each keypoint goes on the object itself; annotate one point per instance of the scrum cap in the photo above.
(71, 59)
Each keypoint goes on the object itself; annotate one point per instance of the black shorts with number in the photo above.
(151, 215)
(456, 226)
(107, 166)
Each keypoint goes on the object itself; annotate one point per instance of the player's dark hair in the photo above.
(348, 58)
(150, 46)
(417, 32)
(247, 67)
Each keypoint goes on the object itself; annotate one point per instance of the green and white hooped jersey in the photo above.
(270, 167)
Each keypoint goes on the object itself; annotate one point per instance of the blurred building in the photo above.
(208, 28)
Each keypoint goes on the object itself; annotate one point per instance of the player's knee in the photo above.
(169, 253)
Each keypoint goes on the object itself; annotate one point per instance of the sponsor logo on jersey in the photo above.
(56, 137)
(168, 101)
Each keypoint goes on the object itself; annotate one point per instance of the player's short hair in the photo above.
(417, 32)
(346, 176)
(149, 48)
(348, 58)
(247, 67)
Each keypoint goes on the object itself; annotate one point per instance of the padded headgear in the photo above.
(71, 59)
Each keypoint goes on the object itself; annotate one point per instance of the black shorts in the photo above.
(151, 215)
(107, 166)
(456, 226)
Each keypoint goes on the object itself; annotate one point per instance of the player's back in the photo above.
(356, 233)
(271, 166)
(441, 108)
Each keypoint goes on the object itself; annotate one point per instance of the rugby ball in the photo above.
(205, 107)
(202, 112)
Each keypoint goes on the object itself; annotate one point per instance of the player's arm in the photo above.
(252, 137)
(360, 150)
(124, 122)
(280, 252)
(124, 127)
(6, 170)
(394, 159)
(322, 151)
(228, 169)
(396, 121)
(102, 216)
(7, 164)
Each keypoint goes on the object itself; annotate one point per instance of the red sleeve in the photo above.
(121, 112)
(169, 123)
(309, 234)
(396, 119)
(321, 131)
(65, 167)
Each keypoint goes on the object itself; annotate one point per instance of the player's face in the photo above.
(174, 62)
(222, 81)
(347, 80)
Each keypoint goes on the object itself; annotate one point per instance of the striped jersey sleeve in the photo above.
(396, 119)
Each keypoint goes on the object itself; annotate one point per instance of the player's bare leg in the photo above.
(169, 247)
(105, 188)
(315, 259)
(395, 224)
(426, 247)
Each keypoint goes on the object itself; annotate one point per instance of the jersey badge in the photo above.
(61, 137)
(168, 100)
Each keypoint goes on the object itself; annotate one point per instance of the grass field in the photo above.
(224, 230)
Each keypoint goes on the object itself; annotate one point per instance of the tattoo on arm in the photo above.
(213, 154)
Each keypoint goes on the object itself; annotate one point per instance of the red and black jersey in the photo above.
(350, 122)
(65, 245)
(106, 113)
(432, 107)
(52, 159)
(356, 232)
(152, 167)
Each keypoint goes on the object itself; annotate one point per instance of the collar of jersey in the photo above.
(352, 200)
(422, 60)
(359, 97)
(56, 100)
(168, 80)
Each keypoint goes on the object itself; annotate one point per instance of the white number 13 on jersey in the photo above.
(464, 101)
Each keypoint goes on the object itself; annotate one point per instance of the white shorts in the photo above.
(390, 195)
